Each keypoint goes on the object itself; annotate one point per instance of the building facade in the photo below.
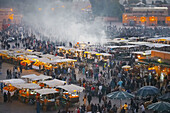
(7, 17)
(149, 16)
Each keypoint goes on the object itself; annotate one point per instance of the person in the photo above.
(154, 99)
(89, 98)
(85, 99)
(9, 96)
(125, 106)
(142, 108)
(20, 68)
(38, 105)
(114, 109)
(122, 110)
(100, 97)
(5, 97)
(120, 83)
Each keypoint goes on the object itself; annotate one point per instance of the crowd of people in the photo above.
(138, 31)
(98, 80)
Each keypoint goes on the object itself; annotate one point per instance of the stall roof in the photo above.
(13, 81)
(31, 56)
(54, 82)
(91, 52)
(105, 54)
(79, 50)
(30, 76)
(47, 55)
(142, 52)
(158, 45)
(71, 88)
(62, 60)
(3, 51)
(27, 86)
(60, 47)
(126, 46)
(45, 60)
(46, 91)
(41, 77)
(36, 77)
(153, 39)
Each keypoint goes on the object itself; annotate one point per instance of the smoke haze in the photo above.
(64, 21)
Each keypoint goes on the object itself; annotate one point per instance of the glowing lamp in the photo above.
(159, 60)
(152, 18)
(11, 9)
(143, 19)
(138, 56)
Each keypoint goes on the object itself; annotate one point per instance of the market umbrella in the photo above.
(160, 106)
(165, 97)
(147, 90)
(120, 95)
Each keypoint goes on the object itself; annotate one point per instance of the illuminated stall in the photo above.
(52, 83)
(9, 85)
(26, 91)
(48, 98)
(70, 92)
(36, 78)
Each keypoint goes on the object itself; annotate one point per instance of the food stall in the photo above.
(63, 62)
(126, 67)
(9, 85)
(26, 91)
(52, 83)
(48, 98)
(70, 93)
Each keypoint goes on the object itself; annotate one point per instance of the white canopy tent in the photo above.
(42, 77)
(71, 88)
(13, 81)
(30, 76)
(27, 86)
(157, 45)
(54, 82)
(46, 91)
(142, 52)
(105, 54)
(36, 77)
(62, 60)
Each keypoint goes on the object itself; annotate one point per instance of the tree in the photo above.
(144, 1)
(108, 8)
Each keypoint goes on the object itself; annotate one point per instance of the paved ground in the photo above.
(19, 107)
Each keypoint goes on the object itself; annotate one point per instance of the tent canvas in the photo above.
(27, 86)
(13, 81)
(46, 91)
(30, 76)
(71, 88)
(54, 82)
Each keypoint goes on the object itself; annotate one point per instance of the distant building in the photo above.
(150, 16)
(7, 17)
